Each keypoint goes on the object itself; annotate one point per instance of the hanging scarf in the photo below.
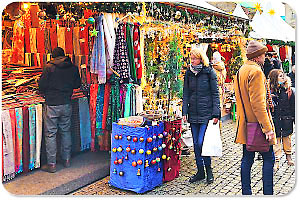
(8, 146)
(127, 109)
(69, 40)
(270, 104)
(25, 142)
(18, 42)
(32, 136)
(19, 136)
(75, 126)
(105, 104)
(137, 52)
(76, 45)
(53, 38)
(109, 38)
(40, 40)
(98, 60)
(39, 126)
(84, 40)
(47, 41)
(61, 37)
(12, 114)
(85, 123)
(121, 62)
(93, 102)
(139, 99)
(99, 109)
(129, 43)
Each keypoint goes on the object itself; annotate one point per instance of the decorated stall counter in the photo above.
(136, 157)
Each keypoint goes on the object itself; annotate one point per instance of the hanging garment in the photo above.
(18, 42)
(282, 53)
(93, 99)
(27, 40)
(129, 43)
(8, 146)
(53, 38)
(139, 99)
(133, 103)
(128, 102)
(40, 39)
(99, 109)
(61, 37)
(69, 40)
(39, 126)
(98, 60)
(47, 41)
(25, 140)
(142, 46)
(34, 9)
(123, 90)
(32, 136)
(84, 40)
(137, 52)
(85, 123)
(120, 61)
(19, 136)
(110, 38)
(75, 126)
(76, 45)
(106, 104)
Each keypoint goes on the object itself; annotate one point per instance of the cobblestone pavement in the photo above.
(226, 171)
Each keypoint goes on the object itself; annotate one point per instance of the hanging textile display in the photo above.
(137, 52)
(93, 103)
(18, 41)
(75, 126)
(69, 40)
(8, 146)
(53, 37)
(32, 136)
(39, 126)
(129, 43)
(121, 62)
(61, 35)
(110, 38)
(139, 99)
(40, 37)
(85, 123)
(48, 49)
(19, 136)
(76, 44)
(99, 110)
(25, 139)
(84, 40)
(98, 60)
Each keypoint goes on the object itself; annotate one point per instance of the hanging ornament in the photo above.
(153, 162)
(141, 151)
(157, 159)
(177, 14)
(169, 169)
(116, 162)
(116, 137)
(114, 150)
(169, 158)
(158, 169)
(141, 139)
(160, 136)
(128, 137)
(121, 173)
(138, 172)
(115, 171)
(135, 139)
(120, 137)
(134, 164)
(126, 157)
(160, 148)
(119, 149)
(128, 149)
(120, 161)
(154, 137)
(149, 139)
(146, 163)
(163, 145)
(94, 33)
(154, 149)
(164, 157)
(72, 20)
(57, 17)
(91, 20)
(165, 133)
(139, 162)
(271, 12)
(133, 151)
(148, 152)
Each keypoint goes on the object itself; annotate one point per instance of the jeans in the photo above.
(198, 132)
(58, 119)
(268, 164)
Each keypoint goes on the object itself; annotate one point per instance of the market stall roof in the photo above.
(238, 11)
(208, 7)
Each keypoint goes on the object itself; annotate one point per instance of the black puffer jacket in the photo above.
(58, 80)
(201, 101)
(284, 112)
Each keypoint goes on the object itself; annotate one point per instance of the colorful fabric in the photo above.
(98, 60)
(40, 39)
(106, 104)
(27, 40)
(53, 38)
(93, 102)
(75, 126)
(121, 62)
(76, 45)
(137, 52)
(127, 110)
(139, 99)
(69, 40)
(39, 126)
(34, 9)
(61, 37)
(32, 136)
(110, 38)
(8, 146)
(47, 41)
(99, 109)
(25, 142)
(84, 41)
(85, 123)
(18, 42)
(282, 53)
(129, 43)
(19, 136)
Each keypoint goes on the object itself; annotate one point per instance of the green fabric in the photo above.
(286, 66)
(114, 107)
(129, 42)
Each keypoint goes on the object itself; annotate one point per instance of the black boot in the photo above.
(210, 177)
(199, 176)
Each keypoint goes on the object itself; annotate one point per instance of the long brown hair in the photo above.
(273, 78)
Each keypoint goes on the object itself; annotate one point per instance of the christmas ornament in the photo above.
(128, 137)
(126, 157)
(120, 137)
(133, 151)
(149, 139)
(146, 163)
(169, 158)
(160, 136)
(134, 164)
(115, 171)
(116, 137)
(139, 162)
(138, 172)
(148, 152)
(114, 150)
(141, 151)
(178, 14)
(169, 169)
(160, 148)
(141, 139)
(116, 162)
(158, 169)
(157, 159)
(128, 149)
(57, 17)
(163, 145)
(135, 139)
(154, 137)
(154, 149)
(170, 147)
(119, 149)
(153, 162)
(121, 173)
(91, 20)
(94, 33)
(120, 161)
(72, 20)
(165, 133)
(164, 157)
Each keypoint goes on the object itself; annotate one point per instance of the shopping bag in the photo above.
(212, 143)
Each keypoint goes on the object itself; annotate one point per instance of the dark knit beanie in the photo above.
(57, 52)
(255, 49)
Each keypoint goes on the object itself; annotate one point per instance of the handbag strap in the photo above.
(238, 81)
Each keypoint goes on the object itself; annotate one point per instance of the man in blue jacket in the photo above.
(57, 82)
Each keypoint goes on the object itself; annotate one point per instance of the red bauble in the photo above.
(127, 149)
(120, 137)
(153, 162)
(149, 139)
(141, 139)
(135, 139)
(139, 162)
(116, 137)
(120, 161)
(115, 162)
(134, 164)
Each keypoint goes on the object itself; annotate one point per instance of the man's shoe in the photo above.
(199, 176)
(67, 163)
(210, 177)
(51, 168)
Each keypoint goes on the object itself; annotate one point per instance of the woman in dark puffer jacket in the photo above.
(201, 103)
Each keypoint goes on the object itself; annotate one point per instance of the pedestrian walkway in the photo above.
(226, 172)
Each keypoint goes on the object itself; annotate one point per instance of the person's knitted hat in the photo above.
(255, 49)
(58, 51)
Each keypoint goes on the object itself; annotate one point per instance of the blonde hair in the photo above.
(199, 53)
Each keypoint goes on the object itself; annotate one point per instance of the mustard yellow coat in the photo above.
(253, 91)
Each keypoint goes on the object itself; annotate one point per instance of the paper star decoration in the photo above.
(271, 12)
(94, 33)
(257, 6)
(82, 21)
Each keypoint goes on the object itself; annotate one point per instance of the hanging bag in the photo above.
(256, 140)
(212, 143)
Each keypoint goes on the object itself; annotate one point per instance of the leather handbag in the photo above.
(256, 139)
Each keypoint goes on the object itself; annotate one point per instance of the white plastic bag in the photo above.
(212, 143)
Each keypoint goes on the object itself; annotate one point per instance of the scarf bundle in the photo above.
(19, 137)
(61, 37)
(137, 52)
(8, 146)
(18, 42)
(85, 123)
(32, 136)
(99, 109)
(93, 103)
(39, 127)
(69, 40)
(76, 44)
(25, 139)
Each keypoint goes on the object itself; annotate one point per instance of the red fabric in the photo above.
(40, 40)
(34, 9)
(137, 52)
(25, 141)
(88, 74)
(13, 119)
(18, 42)
(84, 38)
(106, 104)
(270, 48)
(69, 41)
(53, 37)
(87, 13)
(27, 40)
(93, 98)
(174, 129)
(282, 53)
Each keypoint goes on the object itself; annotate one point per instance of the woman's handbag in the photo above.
(256, 139)
(212, 143)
